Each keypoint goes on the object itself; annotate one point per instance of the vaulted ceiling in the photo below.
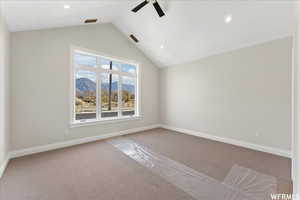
(191, 29)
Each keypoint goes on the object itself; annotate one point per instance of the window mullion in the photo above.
(128, 74)
(136, 97)
(120, 96)
(98, 88)
(98, 93)
(74, 72)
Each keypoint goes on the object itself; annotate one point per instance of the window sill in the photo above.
(103, 121)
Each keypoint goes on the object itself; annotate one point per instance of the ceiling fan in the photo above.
(156, 5)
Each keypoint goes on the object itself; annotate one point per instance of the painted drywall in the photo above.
(296, 132)
(40, 62)
(243, 95)
(296, 122)
(4, 90)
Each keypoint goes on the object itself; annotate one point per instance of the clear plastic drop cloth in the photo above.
(240, 184)
(253, 183)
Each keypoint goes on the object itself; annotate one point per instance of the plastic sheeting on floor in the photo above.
(240, 184)
(256, 184)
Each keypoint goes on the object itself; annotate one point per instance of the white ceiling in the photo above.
(22, 15)
(191, 29)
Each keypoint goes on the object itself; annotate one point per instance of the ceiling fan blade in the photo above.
(158, 9)
(141, 5)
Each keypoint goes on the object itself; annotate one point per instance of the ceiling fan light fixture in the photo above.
(140, 6)
(156, 5)
(158, 9)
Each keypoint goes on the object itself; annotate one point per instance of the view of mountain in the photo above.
(129, 88)
(85, 84)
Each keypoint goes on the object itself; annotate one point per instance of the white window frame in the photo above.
(98, 70)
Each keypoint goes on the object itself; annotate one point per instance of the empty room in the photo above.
(149, 100)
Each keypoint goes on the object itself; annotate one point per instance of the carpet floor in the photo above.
(98, 170)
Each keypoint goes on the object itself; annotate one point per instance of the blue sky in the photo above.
(86, 74)
(105, 64)
(85, 60)
(128, 68)
(92, 61)
(128, 80)
(82, 59)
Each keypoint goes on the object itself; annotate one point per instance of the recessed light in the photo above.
(228, 18)
(67, 6)
(161, 46)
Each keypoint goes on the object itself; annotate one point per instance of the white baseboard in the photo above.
(271, 150)
(58, 145)
(38, 149)
(3, 166)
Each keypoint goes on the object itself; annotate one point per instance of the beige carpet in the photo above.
(97, 170)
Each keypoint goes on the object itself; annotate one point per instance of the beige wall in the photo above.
(296, 136)
(41, 83)
(4, 90)
(243, 95)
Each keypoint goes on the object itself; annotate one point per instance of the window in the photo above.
(103, 88)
